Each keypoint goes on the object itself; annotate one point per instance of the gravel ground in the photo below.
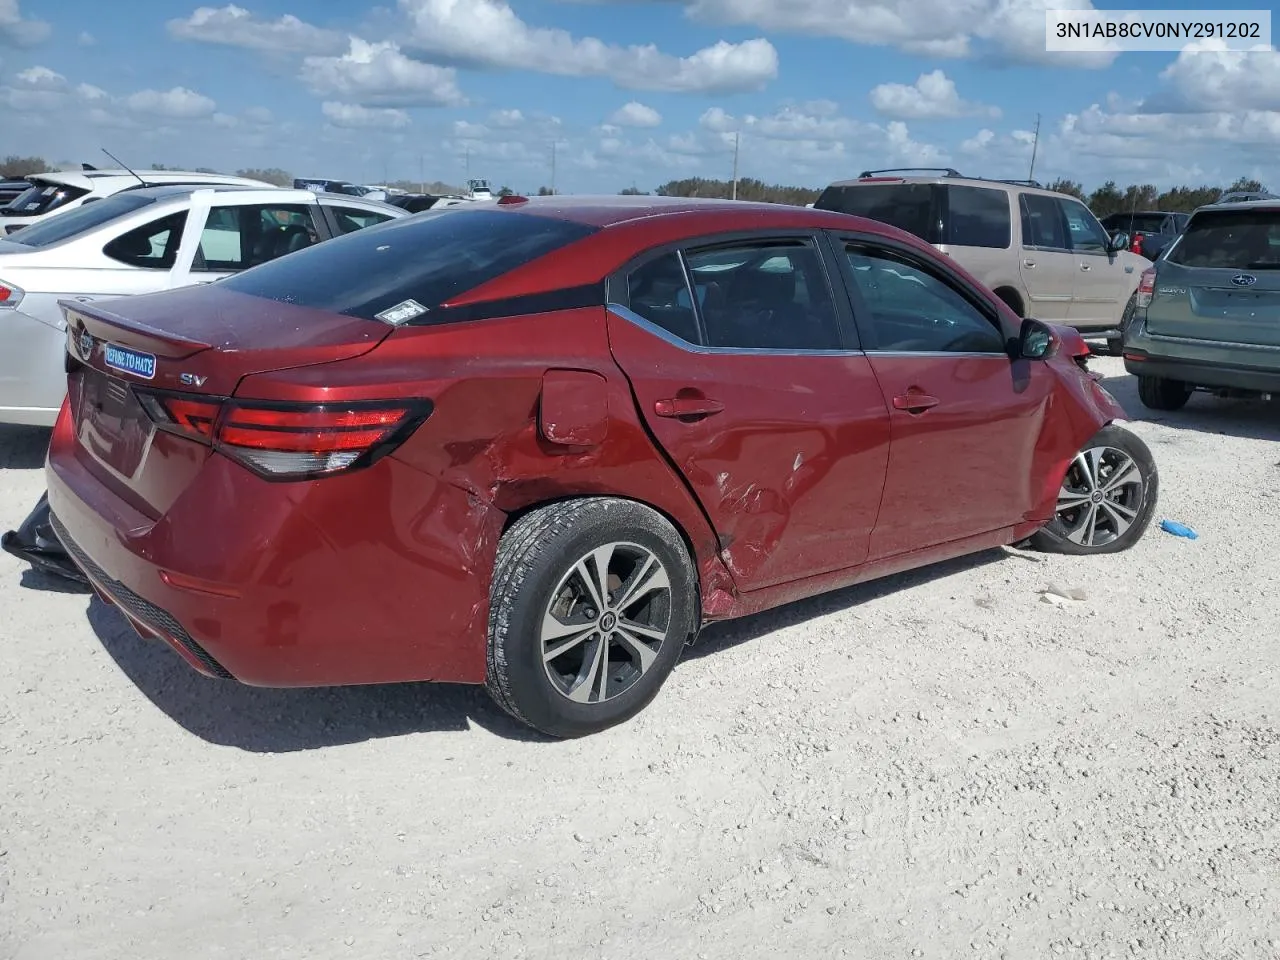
(937, 765)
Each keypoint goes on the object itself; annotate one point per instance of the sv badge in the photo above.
(191, 379)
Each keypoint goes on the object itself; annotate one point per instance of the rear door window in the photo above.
(659, 292)
(1230, 240)
(913, 207)
(412, 264)
(351, 219)
(239, 237)
(977, 217)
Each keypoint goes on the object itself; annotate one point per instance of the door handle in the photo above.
(1028, 263)
(913, 402)
(677, 407)
(1085, 266)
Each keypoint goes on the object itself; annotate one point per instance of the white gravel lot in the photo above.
(937, 765)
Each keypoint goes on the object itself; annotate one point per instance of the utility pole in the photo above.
(737, 135)
(1035, 145)
(422, 174)
(553, 168)
(468, 168)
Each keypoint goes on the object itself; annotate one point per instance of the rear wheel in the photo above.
(591, 604)
(1107, 497)
(1157, 393)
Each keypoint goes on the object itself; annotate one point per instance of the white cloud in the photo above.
(177, 103)
(378, 74)
(932, 97)
(1006, 30)
(236, 27)
(86, 39)
(353, 115)
(259, 115)
(19, 31)
(1206, 77)
(635, 114)
(489, 33)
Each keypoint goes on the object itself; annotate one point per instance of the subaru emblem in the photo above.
(1244, 280)
(86, 345)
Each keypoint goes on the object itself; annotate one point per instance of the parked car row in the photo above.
(537, 444)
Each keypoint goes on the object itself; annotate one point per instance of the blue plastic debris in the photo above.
(1178, 530)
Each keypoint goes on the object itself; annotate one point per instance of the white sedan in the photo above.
(142, 241)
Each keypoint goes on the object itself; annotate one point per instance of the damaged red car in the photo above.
(539, 443)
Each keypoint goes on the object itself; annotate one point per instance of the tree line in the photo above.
(1105, 200)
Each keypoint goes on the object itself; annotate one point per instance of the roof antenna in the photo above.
(123, 167)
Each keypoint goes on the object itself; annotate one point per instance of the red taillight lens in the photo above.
(1146, 288)
(289, 441)
(5, 293)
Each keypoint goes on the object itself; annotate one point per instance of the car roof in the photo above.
(954, 178)
(1250, 206)
(609, 210)
(88, 179)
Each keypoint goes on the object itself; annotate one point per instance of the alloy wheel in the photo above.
(606, 621)
(1101, 496)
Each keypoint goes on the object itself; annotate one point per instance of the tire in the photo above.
(1115, 346)
(1124, 511)
(1157, 393)
(536, 586)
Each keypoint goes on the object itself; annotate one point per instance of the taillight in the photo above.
(1136, 246)
(10, 296)
(289, 441)
(1146, 288)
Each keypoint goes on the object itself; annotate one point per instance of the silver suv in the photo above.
(1043, 253)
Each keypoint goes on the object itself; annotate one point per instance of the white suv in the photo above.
(53, 193)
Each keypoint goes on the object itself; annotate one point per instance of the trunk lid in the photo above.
(197, 341)
(1221, 280)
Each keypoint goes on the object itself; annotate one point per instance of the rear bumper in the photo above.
(381, 576)
(1200, 373)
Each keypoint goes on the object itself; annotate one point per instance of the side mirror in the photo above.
(1035, 340)
(1119, 241)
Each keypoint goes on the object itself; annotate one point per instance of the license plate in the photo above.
(130, 361)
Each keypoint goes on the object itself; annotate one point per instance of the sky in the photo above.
(612, 95)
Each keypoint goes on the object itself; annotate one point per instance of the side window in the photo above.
(1084, 230)
(238, 237)
(351, 219)
(658, 292)
(1042, 224)
(765, 296)
(153, 246)
(912, 310)
(978, 217)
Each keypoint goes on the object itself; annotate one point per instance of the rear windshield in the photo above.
(74, 222)
(428, 259)
(41, 198)
(1230, 240)
(1135, 223)
(907, 206)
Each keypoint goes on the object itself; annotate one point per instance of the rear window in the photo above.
(1230, 240)
(1135, 223)
(428, 259)
(42, 198)
(74, 222)
(911, 207)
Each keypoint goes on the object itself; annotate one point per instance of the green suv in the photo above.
(1208, 311)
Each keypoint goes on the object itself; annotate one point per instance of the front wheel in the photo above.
(1107, 497)
(591, 605)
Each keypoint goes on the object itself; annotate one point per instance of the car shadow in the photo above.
(23, 448)
(1246, 419)
(718, 637)
(260, 720)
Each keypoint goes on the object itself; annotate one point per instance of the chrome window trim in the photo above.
(626, 313)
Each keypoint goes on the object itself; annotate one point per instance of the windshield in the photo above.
(75, 222)
(1230, 240)
(41, 198)
(411, 263)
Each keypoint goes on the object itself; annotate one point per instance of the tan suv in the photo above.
(1043, 253)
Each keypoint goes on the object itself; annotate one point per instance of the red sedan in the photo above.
(537, 444)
